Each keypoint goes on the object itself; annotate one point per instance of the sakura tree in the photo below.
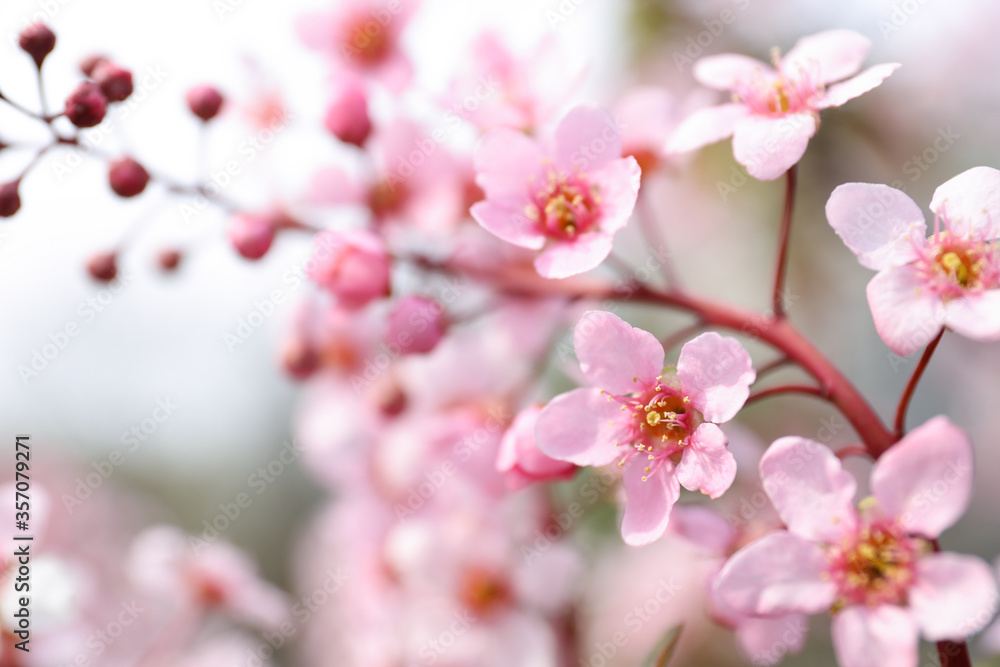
(501, 405)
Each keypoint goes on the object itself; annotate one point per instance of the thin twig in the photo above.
(777, 296)
(911, 386)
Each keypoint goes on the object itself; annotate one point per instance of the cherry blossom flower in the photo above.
(363, 36)
(873, 568)
(353, 265)
(661, 425)
(520, 459)
(776, 109)
(923, 283)
(567, 202)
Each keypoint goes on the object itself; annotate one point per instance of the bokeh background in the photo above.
(162, 338)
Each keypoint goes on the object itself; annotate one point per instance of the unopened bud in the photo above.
(347, 116)
(416, 325)
(127, 177)
(90, 63)
(37, 40)
(115, 82)
(86, 106)
(168, 259)
(10, 199)
(103, 266)
(300, 358)
(204, 102)
(251, 235)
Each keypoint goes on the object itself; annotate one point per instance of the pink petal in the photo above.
(716, 373)
(334, 186)
(925, 479)
(587, 139)
(765, 641)
(562, 259)
(582, 427)
(778, 574)
(870, 79)
(645, 113)
(505, 162)
(508, 224)
(647, 503)
(813, 494)
(953, 597)
(702, 526)
(315, 30)
(619, 187)
(832, 55)
(769, 146)
(883, 636)
(975, 315)
(907, 315)
(970, 203)
(878, 223)
(706, 465)
(726, 70)
(706, 126)
(518, 448)
(614, 355)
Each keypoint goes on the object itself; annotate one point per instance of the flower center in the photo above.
(952, 266)
(385, 197)
(367, 40)
(567, 205)
(877, 567)
(787, 91)
(482, 591)
(662, 419)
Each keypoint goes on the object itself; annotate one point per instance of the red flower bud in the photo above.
(86, 106)
(10, 200)
(103, 267)
(300, 358)
(251, 235)
(168, 259)
(127, 177)
(204, 102)
(115, 82)
(90, 63)
(347, 116)
(37, 41)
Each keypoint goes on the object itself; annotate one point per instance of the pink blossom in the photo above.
(251, 234)
(347, 114)
(363, 36)
(196, 573)
(661, 425)
(416, 324)
(521, 460)
(776, 110)
(353, 265)
(873, 567)
(923, 283)
(568, 201)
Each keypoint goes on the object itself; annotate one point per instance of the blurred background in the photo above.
(154, 371)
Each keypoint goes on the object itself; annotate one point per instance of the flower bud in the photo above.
(521, 460)
(127, 177)
(347, 115)
(103, 266)
(90, 63)
(37, 40)
(86, 106)
(10, 199)
(114, 81)
(353, 265)
(251, 235)
(169, 259)
(416, 325)
(300, 358)
(204, 102)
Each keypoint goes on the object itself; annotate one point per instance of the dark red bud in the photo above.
(115, 82)
(90, 63)
(168, 259)
(204, 102)
(10, 199)
(86, 106)
(127, 177)
(37, 41)
(103, 266)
